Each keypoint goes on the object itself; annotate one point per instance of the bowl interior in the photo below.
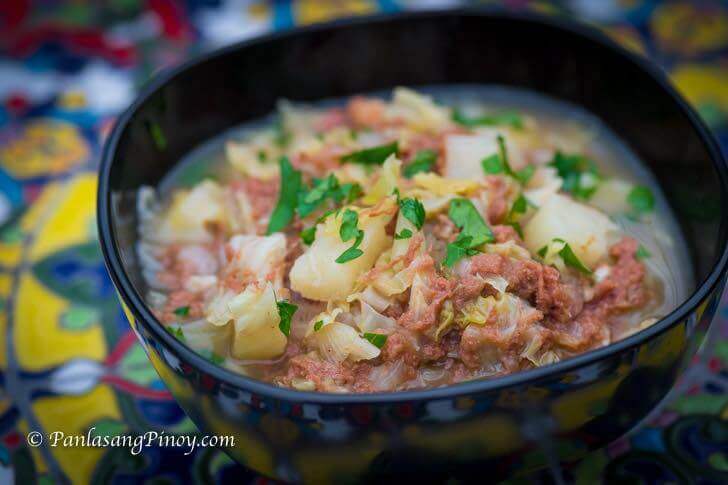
(209, 96)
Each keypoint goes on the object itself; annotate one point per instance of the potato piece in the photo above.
(584, 228)
(256, 334)
(192, 212)
(463, 153)
(316, 274)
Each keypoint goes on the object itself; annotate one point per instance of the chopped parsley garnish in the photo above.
(376, 339)
(403, 234)
(349, 231)
(182, 311)
(322, 189)
(285, 311)
(349, 222)
(567, 255)
(287, 199)
(493, 165)
(467, 218)
(504, 118)
(317, 326)
(579, 173)
(459, 249)
(519, 207)
(570, 259)
(641, 200)
(642, 253)
(308, 235)
(372, 156)
(353, 252)
(262, 156)
(413, 211)
(498, 163)
(177, 333)
(474, 231)
(349, 192)
(423, 161)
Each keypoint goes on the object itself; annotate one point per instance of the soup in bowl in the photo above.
(418, 241)
(469, 241)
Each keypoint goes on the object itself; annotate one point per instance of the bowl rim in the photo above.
(141, 312)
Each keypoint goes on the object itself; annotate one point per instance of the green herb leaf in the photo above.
(525, 174)
(413, 211)
(287, 199)
(498, 163)
(570, 259)
(309, 201)
(641, 200)
(542, 252)
(642, 253)
(579, 173)
(467, 218)
(317, 326)
(376, 339)
(308, 235)
(423, 161)
(372, 156)
(493, 165)
(403, 234)
(349, 222)
(177, 333)
(285, 311)
(182, 311)
(353, 252)
(504, 118)
(262, 156)
(348, 192)
(520, 205)
(459, 249)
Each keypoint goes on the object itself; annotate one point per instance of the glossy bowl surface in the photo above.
(506, 425)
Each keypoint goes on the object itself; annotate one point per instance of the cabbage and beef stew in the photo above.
(382, 245)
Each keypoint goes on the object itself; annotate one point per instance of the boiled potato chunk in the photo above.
(584, 228)
(256, 332)
(317, 275)
(464, 153)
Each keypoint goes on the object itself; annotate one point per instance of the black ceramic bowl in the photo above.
(493, 427)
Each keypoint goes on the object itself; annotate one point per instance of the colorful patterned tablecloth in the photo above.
(68, 360)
